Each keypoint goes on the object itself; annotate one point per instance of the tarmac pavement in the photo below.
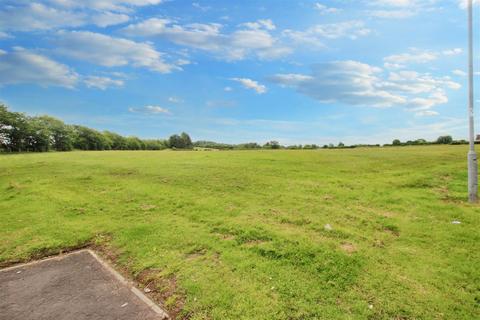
(75, 286)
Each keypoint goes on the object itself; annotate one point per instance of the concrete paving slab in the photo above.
(76, 286)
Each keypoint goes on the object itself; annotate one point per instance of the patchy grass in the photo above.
(241, 234)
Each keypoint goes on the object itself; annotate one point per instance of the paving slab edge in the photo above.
(129, 284)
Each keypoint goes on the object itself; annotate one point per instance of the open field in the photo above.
(241, 234)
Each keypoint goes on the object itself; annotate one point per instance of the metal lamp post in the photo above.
(472, 155)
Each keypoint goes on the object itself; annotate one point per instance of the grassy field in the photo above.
(243, 235)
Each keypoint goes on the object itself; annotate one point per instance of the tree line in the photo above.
(440, 140)
(340, 145)
(22, 133)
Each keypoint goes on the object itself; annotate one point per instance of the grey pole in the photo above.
(472, 156)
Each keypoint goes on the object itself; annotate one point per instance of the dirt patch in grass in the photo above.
(392, 229)
(378, 243)
(196, 252)
(296, 222)
(147, 207)
(254, 243)
(274, 212)
(193, 256)
(14, 186)
(388, 214)
(226, 236)
(164, 289)
(348, 247)
(231, 208)
(446, 196)
(123, 172)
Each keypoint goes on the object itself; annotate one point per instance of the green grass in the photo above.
(241, 234)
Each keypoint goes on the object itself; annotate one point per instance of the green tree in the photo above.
(14, 130)
(175, 142)
(38, 136)
(272, 145)
(187, 142)
(444, 140)
(215, 145)
(420, 142)
(396, 142)
(134, 143)
(61, 135)
(117, 142)
(89, 139)
(154, 144)
(181, 141)
(249, 145)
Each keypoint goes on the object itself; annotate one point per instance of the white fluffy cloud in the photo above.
(251, 39)
(23, 66)
(348, 82)
(392, 14)
(174, 100)
(396, 3)
(199, 36)
(452, 52)
(150, 110)
(399, 9)
(426, 113)
(356, 83)
(317, 34)
(415, 56)
(251, 84)
(415, 82)
(102, 83)
(323, 9)
(260, 24)
(37, 16)
(200, 7)
(459, 73)
(112, 5)
(106, 19)
(111, 52)
(57, 14)
(4, 35)
(423, 104)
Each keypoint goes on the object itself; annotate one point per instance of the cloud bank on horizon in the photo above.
(296, 71)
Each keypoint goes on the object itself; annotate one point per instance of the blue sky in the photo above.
(240, 71)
